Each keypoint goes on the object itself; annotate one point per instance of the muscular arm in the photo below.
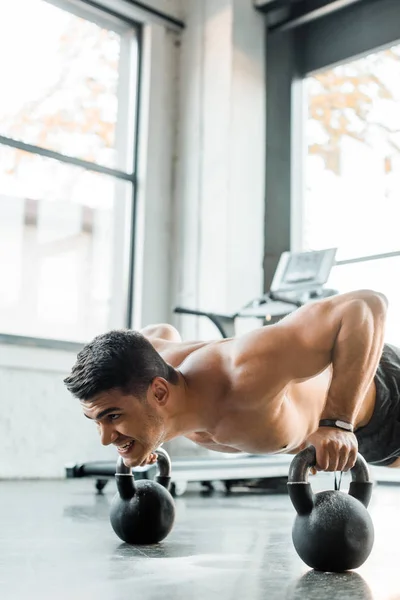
(356, 352)
(346, 331)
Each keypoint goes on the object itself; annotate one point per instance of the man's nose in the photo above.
(107, 435)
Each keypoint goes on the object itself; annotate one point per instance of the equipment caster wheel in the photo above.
(209, 486)
(101, 484)
(228, 486)
(178, 488)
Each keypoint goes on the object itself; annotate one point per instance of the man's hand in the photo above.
(150, 460)
(336, 449)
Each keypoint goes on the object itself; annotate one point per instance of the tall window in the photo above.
(67, 131)
(352, 197)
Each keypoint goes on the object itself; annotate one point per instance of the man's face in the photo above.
(131, 424)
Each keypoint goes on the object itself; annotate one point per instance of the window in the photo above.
(67, 137)
(352, 198)
(352, 191)
(380, 275)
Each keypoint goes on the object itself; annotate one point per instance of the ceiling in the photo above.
(287, 14)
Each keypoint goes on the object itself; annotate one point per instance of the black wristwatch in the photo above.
(337, 423)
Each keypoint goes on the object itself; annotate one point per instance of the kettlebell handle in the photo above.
(299, 488)
(126, 481)
(163, 463)
(307, 458)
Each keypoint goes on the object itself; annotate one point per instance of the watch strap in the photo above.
(338, 424)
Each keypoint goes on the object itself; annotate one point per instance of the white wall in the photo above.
(201, 174)
(154, 263)
(42, 427)
(220, 173)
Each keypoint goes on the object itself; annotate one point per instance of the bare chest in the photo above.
(255, 431)
(252, 411)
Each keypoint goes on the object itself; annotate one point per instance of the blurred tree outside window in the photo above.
(352, 175)
(63, 227)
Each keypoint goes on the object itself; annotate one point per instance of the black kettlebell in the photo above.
(143, 512)
(333, 531)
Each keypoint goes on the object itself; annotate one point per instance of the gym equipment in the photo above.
(299, 278)
(333, 531)
(102, 471)
(268, 472)
(143, 512)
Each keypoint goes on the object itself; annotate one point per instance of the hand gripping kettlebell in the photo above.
(143, 512)
(333, 531)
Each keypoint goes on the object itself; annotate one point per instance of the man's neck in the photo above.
(189, 414)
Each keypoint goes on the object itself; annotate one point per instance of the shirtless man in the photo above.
(322, 376)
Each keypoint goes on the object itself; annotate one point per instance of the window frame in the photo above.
(293, 53)
(121, 306)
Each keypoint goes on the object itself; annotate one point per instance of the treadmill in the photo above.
(299, 278)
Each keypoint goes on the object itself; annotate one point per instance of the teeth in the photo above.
(125, 446)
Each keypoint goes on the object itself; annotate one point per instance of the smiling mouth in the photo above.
(126, 448)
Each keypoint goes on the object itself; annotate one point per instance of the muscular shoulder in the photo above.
(161, 331)
(209, 365)
(175, 353)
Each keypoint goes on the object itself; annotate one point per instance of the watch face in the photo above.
(344, 425)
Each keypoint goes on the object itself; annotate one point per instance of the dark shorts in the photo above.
(379, 440)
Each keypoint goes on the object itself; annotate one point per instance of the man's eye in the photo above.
(113, 417)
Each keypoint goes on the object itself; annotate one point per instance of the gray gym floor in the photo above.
(56, 542)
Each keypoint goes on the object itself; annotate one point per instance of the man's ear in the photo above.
(159, 391)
